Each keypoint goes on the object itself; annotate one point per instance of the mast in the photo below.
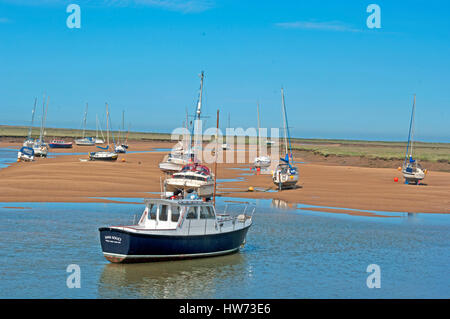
(286, 127)
(32, 118)
(123, 127)
(215, 162)
(41, 132)
(411, 131)
(198, 112)
(107, 124)
(258, 141)
(84, 120)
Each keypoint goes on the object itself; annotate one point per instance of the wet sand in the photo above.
(67, 179)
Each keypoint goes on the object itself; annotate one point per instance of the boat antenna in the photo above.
(215, 161)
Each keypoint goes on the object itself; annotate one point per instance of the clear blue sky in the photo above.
(341, 79)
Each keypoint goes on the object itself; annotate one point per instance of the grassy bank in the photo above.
(432, 152)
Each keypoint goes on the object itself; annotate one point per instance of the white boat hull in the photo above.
(203, 189)
(262, 162)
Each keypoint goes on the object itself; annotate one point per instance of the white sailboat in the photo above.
(412, 171)
(285, 175)
(261, 161)
(85, 141)
(30, 141)
(180, 156)
(40, 148)
(194, 176)
(104, 155)
(98, 140)
(120, 146)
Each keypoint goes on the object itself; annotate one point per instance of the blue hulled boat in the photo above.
(175, 229)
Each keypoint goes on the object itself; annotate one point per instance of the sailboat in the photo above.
(97, 139)
(225, 145)
(285, 175)
(104, 155)
(85, 141)
(29, 141)
(180, 156)
(412, 171)
(120, 147)
(261, 161)
(194, 176)
(40, 148)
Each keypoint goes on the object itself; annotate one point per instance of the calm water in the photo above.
(290, 253)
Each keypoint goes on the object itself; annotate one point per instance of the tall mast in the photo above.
(195, 127)
(286, 127)
(123, 126)
(41, 132)
(32, 118)
(215, 161)
(411, 131)
(84, 120)
(107, 124)
(258, 142)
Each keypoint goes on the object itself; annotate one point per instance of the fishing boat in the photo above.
(59, 144)
(192, 177)
(261, 161)
(285, 175)
(25, 154)
(176, 228)
(30, 141)
(105, 154)
(412, 171)
(84, 140)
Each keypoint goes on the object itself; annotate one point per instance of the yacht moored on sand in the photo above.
(412, 171)
(175, 229)
(25, 154)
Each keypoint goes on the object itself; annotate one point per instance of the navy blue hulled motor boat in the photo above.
(175, 229)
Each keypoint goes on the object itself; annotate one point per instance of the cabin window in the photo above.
(163, 213)
(192, 213)
(175, 214)
(203, 212)
(210, 213)
(152, 212)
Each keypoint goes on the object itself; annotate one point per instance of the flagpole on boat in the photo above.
(215, 161)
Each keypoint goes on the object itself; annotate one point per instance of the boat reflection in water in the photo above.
(192, 278)
(281, 204)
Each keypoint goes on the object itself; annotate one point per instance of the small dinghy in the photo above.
(26, 154)
(175, 229)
